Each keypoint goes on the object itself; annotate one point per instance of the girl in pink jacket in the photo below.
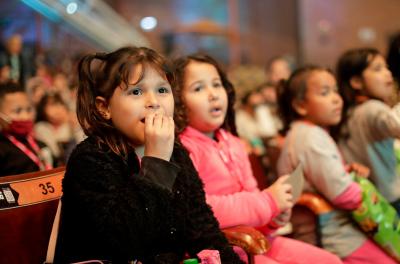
(205, 117)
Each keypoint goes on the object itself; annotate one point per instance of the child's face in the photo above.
(269, 93)
(255, 99)
(56, 113)
(322, 104)
(128, 107)
(377, 79)
(280, 70)
(204, 96)
(60, 82)
(16, 106)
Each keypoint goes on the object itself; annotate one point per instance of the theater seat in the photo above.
(252, 241)
(28, 204)
(305, 214)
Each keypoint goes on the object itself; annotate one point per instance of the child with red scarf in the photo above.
(19, 151)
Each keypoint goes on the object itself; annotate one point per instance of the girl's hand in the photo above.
(281, 219)
(159, 135)
(282, 193)
(359, 169)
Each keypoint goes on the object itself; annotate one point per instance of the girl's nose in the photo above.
(337, 98)
(27, 114)
(212, 94)
(152, 102)
(389, 73)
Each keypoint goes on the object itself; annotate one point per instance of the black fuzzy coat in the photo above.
(114, 210)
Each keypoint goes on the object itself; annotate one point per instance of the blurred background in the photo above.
(237, 32)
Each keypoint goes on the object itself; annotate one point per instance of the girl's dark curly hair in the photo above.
(99, 75)
(351, 64)
(180, 115)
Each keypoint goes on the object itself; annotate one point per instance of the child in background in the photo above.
(54, 126)
(268, 90)
(278, 68)
(204, 112)
(369, 126)
(310, 104)
(20, 152)
(133, 186)
(36, 88)
(254, 121)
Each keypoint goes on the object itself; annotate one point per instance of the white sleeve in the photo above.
(245, 126)
(44, 133)
(265, 120)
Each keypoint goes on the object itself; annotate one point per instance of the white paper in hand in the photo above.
(296, 180)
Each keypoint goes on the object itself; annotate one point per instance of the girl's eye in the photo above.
(163, 90)
(197, 88)
(324, 91)
(217, 85)
(336, 89)
(18, 110)
(377, 68)
(136, 91)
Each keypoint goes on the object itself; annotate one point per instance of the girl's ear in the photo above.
(299, 107)
(102, 107)
(356, 83)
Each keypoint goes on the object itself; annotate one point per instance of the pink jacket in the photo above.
(231, 189)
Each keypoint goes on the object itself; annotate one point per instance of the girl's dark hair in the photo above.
(9, 87)
(180, 117)
(351, 64)
(50, 98)
(246, 97)
(393, 56)
(294, 88)
(99, 75)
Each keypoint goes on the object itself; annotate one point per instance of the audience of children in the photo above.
(310, 104)
(20, 152)
(370, 126)
(204, 112)
(132, 169)
(149, 208)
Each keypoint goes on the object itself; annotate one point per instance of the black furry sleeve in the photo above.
(126, 213)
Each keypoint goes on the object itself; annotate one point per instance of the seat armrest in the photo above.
(248, 238)
(317, 204)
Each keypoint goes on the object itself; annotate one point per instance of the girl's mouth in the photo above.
(216, 111)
